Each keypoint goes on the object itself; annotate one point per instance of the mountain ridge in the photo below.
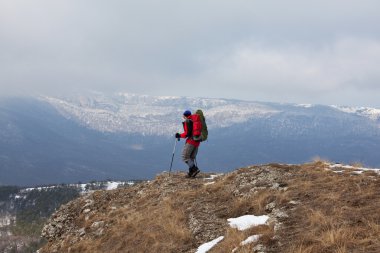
(106, 113)
(175, 214)
(40, 145)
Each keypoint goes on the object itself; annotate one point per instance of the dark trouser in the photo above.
(189, 153)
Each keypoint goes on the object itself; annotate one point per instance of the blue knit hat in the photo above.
(187, 113)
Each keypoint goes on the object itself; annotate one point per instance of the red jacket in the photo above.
(188, 133)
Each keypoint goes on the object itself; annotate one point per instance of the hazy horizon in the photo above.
(71, 94)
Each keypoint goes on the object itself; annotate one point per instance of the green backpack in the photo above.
(204, 132)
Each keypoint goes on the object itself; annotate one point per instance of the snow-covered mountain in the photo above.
(150, 115)
(371, 113)
(154, 115)
(124, 136)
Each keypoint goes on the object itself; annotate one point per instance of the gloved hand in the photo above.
(177, 135)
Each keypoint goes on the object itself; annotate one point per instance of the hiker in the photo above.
(190, 149)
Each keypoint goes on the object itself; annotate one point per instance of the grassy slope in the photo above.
(312, 210)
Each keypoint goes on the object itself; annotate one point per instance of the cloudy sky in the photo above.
(317, 51)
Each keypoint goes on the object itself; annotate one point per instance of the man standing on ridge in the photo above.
(190, 149)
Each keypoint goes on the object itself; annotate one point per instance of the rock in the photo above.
(259, 248)
(270, 207)
(99, 232)
(97, 224)
(277, 226)
(82, 232)
(279, 214)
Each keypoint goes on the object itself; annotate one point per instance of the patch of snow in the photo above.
(112, 185)
(369, 169)
(209, 245)
(247, 221)
(338, 165)
(361, 170)
(209, 183)
(83, 187)
(212, 177)
(250, 239)
(358, 170)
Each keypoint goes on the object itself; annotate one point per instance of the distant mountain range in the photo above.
(125, 136)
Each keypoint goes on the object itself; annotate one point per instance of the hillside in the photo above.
(316, 207)
(47, 140)
(23, 211)
(140, 114)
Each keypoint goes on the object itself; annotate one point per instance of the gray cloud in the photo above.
(294, 51)
(303, 72)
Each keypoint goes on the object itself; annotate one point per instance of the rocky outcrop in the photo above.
(90, 217)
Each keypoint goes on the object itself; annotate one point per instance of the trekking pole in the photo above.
(171, 164)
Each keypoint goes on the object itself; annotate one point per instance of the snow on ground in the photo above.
(339, 168)
(247, 221)
(212, 177)
(83, 187)
(112, 185)
(361, 170)
(250, 239)
(209, 245)
(241, 223)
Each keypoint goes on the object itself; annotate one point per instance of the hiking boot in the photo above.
(195, 172)
(191, 171)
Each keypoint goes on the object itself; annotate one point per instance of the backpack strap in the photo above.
(187, 128)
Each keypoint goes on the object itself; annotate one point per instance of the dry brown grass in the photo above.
(256, 204)
(155, 229)
(329, 213)
(339, 213)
